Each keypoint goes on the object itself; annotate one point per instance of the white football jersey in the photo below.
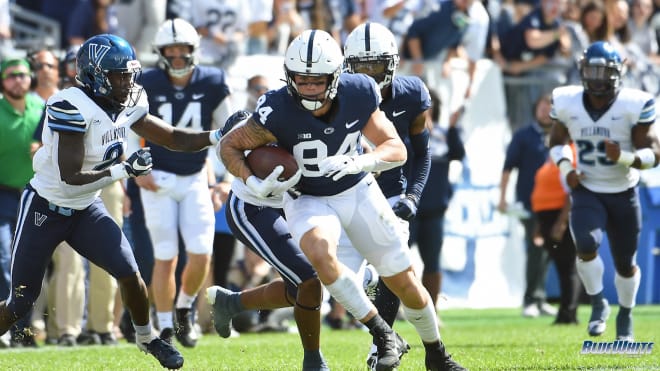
(105, 142)
(631, 107)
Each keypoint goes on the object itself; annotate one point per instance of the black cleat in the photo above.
(391, 347)
(164, 352)
(437, 359)
(183, 328)
(218, 298)
(167, 335)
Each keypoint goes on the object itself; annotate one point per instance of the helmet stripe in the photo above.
(173, 31)
(367, 37)
(310, 48)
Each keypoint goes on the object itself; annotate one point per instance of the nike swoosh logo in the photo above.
(197, 96)
(350, 125)
(397, 114)
(129, 113)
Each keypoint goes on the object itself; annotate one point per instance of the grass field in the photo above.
(490, 339)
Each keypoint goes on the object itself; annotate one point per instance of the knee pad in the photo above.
(588, 241)
(310, 294)
(624, 265)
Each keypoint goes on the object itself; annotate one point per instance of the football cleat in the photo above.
(598, 321)
(164, 352)
(167, 334)
(391, 347)
(218, 297)
(437, 359)
(183, 328)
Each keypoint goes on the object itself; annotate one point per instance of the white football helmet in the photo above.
(370, 46)
(173, 32)
(313, 53)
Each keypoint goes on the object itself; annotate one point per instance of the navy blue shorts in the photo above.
(617, 214)
(42, 226)
(264, 230)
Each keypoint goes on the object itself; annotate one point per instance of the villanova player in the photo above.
(259, 223)
(84, 140)
(371, 49)
(613, 134)
(320, 117)
(176, 195)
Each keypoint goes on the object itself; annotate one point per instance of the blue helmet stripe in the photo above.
(310, 48)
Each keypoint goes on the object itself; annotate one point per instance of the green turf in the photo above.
(492, 339)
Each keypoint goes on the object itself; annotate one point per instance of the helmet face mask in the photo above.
(176, 32)
(314, 53)
(371, 49)
(106, 65)
(601, 68)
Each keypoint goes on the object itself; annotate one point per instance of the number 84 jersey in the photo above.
(589, 131)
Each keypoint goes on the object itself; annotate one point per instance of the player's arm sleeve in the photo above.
(420, 163)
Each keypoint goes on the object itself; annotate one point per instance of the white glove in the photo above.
(270, 186)
(342, 165)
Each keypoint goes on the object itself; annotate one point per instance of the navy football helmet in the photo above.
(102, 56)
(601, 68)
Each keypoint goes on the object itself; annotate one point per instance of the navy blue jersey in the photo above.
(190, 107)
(311, 139)
(410, 97)
(438, 31)
(514, 45)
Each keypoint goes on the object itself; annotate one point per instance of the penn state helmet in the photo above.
(313, 53)
(601, 68)
(101, 55)
(371, 49)
(177, 32)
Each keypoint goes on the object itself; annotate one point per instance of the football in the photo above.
(263, 160)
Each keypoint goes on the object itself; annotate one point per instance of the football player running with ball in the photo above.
(612, 128)
(258, 222)
(84, 144)
(320, 118)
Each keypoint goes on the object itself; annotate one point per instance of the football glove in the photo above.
(341, 165)
(271, 186)
(406, 208)
(139, 163)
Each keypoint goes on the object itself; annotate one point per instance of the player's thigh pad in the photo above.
(373, 228)
(161, 215)
(196, 215)
(307, 212)
(588, 220)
